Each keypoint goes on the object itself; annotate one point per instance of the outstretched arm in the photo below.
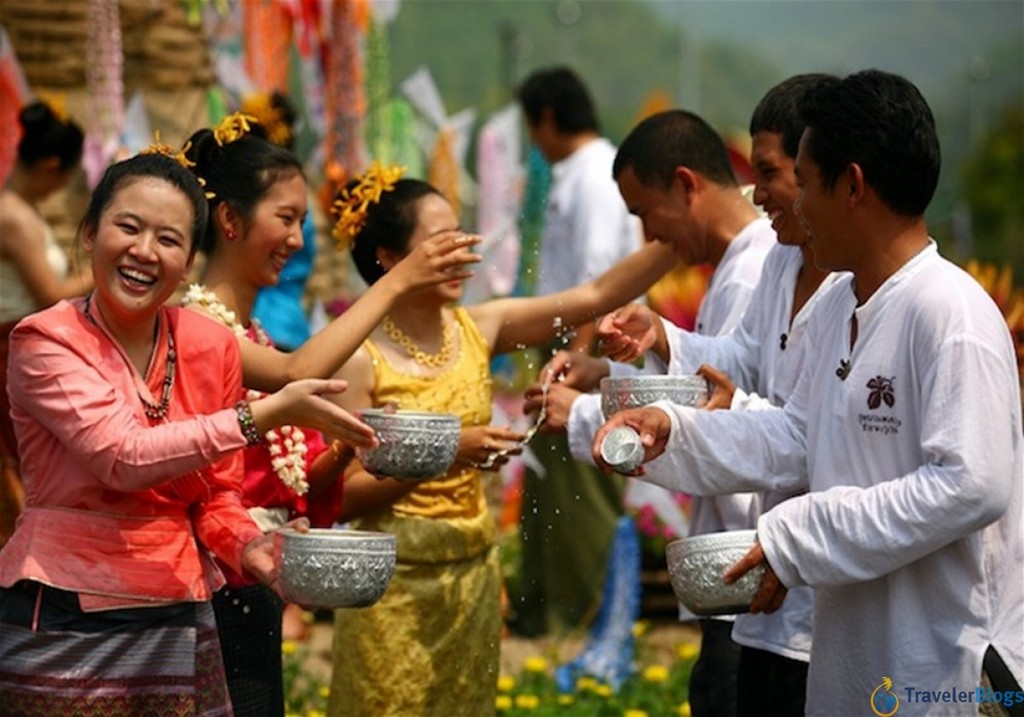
(439, 259)
(510, 323)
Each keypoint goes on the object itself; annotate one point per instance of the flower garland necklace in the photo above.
(287, 446)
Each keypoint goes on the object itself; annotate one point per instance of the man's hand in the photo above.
(575, 370)
(722, 387)
(628, 333)
(771, 592)
(652, 424)
(557, 405)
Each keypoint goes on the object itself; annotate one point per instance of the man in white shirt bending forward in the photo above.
(906, 429)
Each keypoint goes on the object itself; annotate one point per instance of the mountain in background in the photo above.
(719, 57)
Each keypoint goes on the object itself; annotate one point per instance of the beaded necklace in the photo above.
(287, 445)
(154, 411)
(419, 355)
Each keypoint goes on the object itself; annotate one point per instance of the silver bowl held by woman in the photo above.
(414, 445)
(621, 392)
(696, 566)
(327, 568)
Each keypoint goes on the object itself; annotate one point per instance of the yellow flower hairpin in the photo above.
(57, 103)
(232, 128)
(178, 155)
(261, 109)
(350, 208)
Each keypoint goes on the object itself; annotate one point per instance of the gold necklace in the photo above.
(418, 355)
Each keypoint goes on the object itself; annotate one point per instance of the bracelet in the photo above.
(247, 423)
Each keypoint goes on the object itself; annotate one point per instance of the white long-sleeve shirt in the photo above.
(587, 227)
(913, 532)
(766, 353)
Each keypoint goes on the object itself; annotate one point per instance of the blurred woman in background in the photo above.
(33, 267)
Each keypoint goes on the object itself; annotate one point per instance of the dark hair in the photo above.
(390, 224)
(561, 90)
(778, 111)
(670, 139)
(240, 172)
(880, 122)
(159, 166)
(45, 135)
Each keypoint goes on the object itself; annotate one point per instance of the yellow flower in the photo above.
(584, 684)
(351, 206)
(232, 128)
(502, 703)
(506, 683)
(656, 673)
(603, 691)
(324, 691)
(288, 647)
(527, 702)
(688, 651)
(634, 713)
(641, 628)
(315, 713)
(566, 700)
(684, 709)
(535, 664)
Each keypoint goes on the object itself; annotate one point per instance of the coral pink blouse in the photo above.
(120, 510)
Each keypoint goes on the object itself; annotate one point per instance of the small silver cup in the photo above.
(622, 449)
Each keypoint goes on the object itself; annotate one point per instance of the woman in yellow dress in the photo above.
(431, 646)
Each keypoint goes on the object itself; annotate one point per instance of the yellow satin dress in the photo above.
(431, 646)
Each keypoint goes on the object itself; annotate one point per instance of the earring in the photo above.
(230, 233)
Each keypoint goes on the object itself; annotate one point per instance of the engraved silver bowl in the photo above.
(414, 445)
(328, 568)
(621, 392)
(696, 565)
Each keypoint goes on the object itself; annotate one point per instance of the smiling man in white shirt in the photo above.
(906, 428)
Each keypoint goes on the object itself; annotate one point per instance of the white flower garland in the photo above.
(287, 445)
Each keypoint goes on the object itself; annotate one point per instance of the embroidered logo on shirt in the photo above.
(881, 392)
(884, 701)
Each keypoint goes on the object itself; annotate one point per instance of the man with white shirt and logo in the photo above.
(906, 428)
(673, 172)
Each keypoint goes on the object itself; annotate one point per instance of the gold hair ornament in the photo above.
(158, 147)
(233, 127)
(259, 107)
(57, 104)
(351, 206)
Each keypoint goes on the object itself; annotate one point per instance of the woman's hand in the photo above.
(488, 446)
(262, 557)
(722, 387)
(437, 260)
(302, 403)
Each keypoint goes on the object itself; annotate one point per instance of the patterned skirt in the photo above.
(57, 660)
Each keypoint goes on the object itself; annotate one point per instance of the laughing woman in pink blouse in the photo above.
(128, 418)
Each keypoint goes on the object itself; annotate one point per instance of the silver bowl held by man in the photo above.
(414, 445)
(621, 392)
(327, 568)
(696, 566)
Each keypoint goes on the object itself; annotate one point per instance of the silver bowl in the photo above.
(327, 568)
(696, 565)
(414, 445)
(621, 392)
